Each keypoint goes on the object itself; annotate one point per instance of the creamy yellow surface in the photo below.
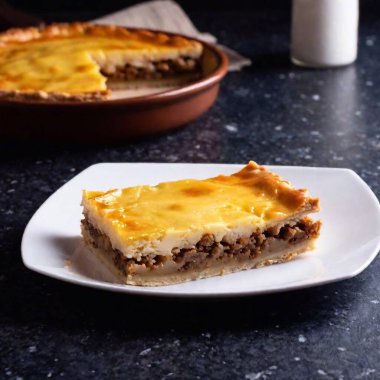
(68, 65)
(189, 208)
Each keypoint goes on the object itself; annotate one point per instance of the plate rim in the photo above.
(150, 291)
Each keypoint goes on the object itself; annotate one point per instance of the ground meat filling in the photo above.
(153, 70)
(243, 248)
(207, 248)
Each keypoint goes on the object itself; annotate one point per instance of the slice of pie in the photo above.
(82, 61)
(191, 229)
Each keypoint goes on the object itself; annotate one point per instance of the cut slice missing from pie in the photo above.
(83, 61)
(191, 229)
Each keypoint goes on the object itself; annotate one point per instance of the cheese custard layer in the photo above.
(182, 230)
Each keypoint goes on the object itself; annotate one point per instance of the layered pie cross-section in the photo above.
(191, 229)
(82, 61)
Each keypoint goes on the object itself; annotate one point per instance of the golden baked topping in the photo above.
(250, 198)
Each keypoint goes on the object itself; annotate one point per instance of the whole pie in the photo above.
(191, 229)
(82, 61)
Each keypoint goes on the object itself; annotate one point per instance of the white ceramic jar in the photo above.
(324, 32)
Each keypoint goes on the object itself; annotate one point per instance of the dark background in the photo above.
(267, 112)
(63, 10)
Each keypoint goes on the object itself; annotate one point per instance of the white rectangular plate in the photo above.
(349, 241)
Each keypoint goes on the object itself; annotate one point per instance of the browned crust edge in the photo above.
(280, 188)
(15, 35)
(85, 28)
(53, 96)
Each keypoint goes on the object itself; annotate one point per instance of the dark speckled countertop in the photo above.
(273, 113)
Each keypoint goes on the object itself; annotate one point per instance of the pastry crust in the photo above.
(235, 222)
(159, 39)
(53, 96)
(138, 49)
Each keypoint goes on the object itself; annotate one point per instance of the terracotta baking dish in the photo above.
(117, 119)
